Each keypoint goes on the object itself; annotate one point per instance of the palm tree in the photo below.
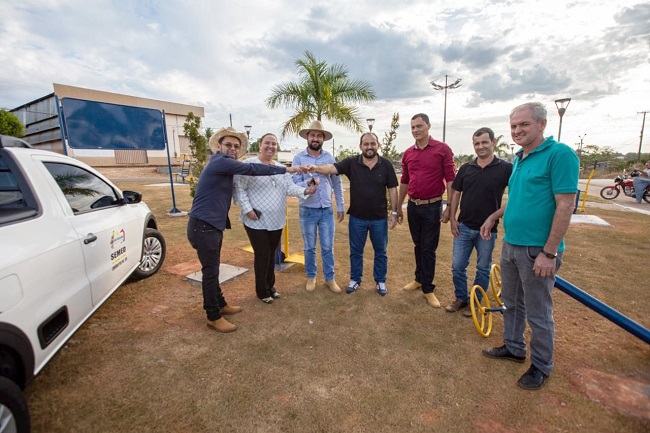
(501, 147)
(322, 91)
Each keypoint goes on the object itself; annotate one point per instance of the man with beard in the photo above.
(316, 214)
(370, 175)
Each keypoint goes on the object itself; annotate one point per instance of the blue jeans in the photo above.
(313, 222)
(527, 297)
(463, 245)
(358, 230)
(640, 183)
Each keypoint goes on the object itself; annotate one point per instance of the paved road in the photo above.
(622, 200)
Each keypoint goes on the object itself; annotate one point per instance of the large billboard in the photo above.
(100, 125)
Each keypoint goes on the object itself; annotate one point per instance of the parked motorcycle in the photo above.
(623, 183)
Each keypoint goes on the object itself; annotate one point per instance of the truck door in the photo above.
(109, 231)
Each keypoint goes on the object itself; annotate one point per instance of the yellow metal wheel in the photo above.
(482, 318)
(495, 283)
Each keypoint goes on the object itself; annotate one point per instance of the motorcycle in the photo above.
(623, 183)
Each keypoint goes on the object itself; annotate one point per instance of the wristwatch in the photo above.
(549, 255)
(394, 213)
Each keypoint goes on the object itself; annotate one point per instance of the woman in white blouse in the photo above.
(263, 211)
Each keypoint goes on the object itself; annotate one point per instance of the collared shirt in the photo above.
(368, 186)
(322, 198)
(426, 170)
(482, 190)
(551, 168)
(214, 191)
(266, 194)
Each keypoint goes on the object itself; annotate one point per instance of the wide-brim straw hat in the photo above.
(229, 132)
(316, 125)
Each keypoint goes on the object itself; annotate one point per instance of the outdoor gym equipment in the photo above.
(479, 302)
(482, 311)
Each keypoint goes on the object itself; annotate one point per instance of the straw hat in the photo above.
(229, 132)
(316, 125)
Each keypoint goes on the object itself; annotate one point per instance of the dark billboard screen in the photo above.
(100, 125)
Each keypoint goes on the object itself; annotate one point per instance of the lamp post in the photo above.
(248, 137)
(456, 84)
(561, 109)
(371, 122)
(512, 150)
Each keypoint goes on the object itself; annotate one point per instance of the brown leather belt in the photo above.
(419, 201)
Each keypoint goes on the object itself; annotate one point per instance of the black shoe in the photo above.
(268, 300)
(502, 352)
(532, 379)
(274, 294)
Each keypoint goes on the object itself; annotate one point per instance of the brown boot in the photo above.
(432, 300)
(229, 310)
(413, 285)
(221, 325)
(333, 286)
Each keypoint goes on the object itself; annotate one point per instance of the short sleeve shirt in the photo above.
(368, 186)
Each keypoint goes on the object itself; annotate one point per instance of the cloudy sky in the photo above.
(227, 55)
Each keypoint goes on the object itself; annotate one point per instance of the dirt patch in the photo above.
(625, 395)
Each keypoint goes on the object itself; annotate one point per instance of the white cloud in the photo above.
(227, 55)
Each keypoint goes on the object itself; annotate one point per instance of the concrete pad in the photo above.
(588, 219)
(226, 273)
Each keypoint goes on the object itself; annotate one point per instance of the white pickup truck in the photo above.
(68, 239)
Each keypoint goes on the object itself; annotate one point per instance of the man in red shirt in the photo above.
(426, 167)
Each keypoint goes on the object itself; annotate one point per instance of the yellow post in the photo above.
(584, 199)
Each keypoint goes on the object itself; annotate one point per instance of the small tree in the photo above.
(208, 133)
(255, 146)
(388, 150)
(344, 153)
(198, 148)
(10, 125)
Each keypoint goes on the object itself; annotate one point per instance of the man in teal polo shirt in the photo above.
(541, 195)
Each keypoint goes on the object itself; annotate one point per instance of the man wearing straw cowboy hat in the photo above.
(209, 216)
(316, 214)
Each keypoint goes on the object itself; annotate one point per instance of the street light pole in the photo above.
(561, 109)
(456, 84)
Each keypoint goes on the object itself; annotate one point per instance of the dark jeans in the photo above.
(206, 240)
(424, 225)
(264, 243)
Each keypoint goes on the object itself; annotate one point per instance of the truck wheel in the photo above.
(14, 415)
(153, 254)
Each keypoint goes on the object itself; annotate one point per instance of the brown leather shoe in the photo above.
(432, 300)
(311, 284)
(221, 325)
(413, 285)
(456, 305)
(229, 310)
(467, 312)
(333, 286)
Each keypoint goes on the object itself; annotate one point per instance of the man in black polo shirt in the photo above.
(370, 175)
(478, 187)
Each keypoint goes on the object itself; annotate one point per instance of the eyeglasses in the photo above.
(229, 145)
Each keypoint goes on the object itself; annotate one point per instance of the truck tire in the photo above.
(153, 254)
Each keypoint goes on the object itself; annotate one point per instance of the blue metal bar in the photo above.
(603, 309)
